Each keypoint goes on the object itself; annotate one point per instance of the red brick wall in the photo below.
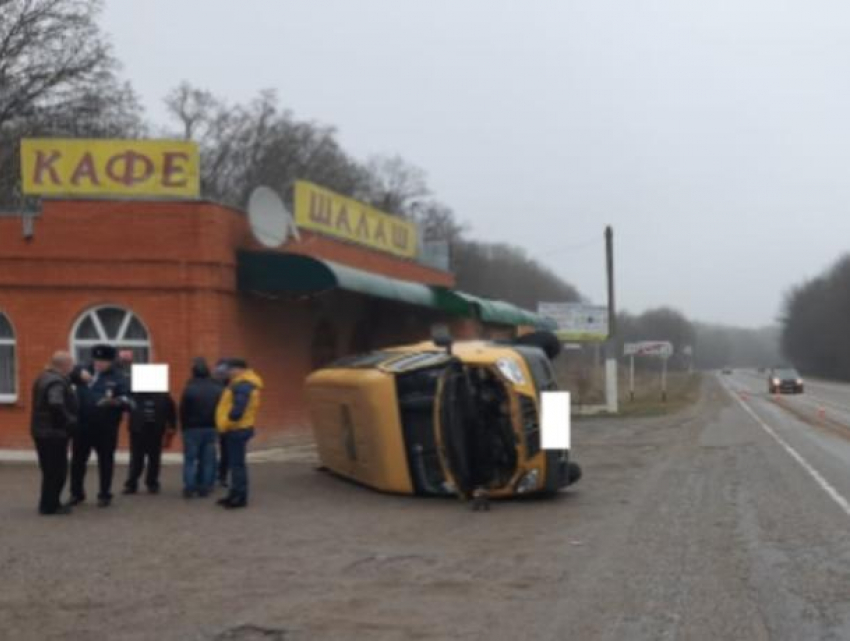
(173, 264)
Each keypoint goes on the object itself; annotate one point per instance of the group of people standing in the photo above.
(85, 405)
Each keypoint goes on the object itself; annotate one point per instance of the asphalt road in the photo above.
(726, 521)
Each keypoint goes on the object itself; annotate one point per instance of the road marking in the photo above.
(819, 479)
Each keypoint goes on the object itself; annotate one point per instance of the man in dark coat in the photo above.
(197, 416)
(151, 417)
(54, 418)
(106, 400)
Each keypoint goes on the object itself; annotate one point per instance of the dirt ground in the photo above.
(660, 539)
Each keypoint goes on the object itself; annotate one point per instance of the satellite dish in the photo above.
(271, 222)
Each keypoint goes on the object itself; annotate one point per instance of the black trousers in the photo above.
(145, 446)
(104, 441)
(53, 462)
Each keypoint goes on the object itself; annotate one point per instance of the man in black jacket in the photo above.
(197, 416)
(151, 417)
(54, 417)
(107, 398)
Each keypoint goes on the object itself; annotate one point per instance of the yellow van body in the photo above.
(419, 420)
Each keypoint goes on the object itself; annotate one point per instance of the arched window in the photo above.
(8, 363)
(114, 326)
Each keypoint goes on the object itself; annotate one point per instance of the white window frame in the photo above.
(11, 399)
(103, 339)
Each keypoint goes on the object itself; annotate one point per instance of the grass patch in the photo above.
(683, 389)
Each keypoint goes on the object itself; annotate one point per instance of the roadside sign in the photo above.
(663, 349)
(577, 322)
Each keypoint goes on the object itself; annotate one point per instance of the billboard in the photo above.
(325, 212)
(577, 322)
(109, 167)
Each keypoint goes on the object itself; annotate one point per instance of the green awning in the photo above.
(494, 311)
(278, 273)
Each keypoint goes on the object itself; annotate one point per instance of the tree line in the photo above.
(814, 323)
(714, 346)
(60, 77)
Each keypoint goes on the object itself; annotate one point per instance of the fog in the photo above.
(713, 136)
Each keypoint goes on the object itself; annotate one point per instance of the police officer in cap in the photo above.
(106, 400)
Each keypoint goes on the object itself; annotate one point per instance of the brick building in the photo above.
(172, 280)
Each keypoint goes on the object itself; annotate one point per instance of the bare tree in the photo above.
(395, 185)
(50, 52)
(243, 145)
(192, 108)
(437, 222)
(57, 78)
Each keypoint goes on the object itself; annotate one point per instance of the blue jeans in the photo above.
(236, 442)
(199, 459)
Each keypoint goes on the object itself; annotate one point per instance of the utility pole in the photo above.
(611, 344)
(609, 268)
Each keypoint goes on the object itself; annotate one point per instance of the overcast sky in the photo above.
(713, 135)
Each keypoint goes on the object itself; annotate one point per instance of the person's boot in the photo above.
(61, 510)
(129, 489)
(76, 500)
(224, 501)
(104, 501)
(153, 489)
(235, 504)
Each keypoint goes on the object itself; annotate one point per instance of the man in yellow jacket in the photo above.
(235, 417)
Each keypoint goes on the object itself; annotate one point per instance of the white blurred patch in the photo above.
(150, 378)
(555, 422)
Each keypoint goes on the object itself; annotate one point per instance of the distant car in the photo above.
(784, 380)
(727, 370)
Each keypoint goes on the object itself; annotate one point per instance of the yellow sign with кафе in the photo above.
(110, 167)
